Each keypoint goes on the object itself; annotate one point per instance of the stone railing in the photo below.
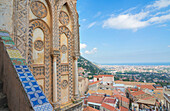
(22, 90)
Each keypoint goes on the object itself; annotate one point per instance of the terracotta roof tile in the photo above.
(138, 93)
(151, 97)
(123, 109)
(120, 97)
(151, 87)
(94, 82)
(109, 100)
(111, 108)
(96, 99)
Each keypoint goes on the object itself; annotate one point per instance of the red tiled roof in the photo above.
(148, 98)
(88, 108)
(100, 76)
(159, 87)
(121, 98)
(96, 99)
(132, 89)
(111, 108)
(151, 87)
(117, 91)
(109, 100)
(138, 93)
(94, 82)
(123, 108)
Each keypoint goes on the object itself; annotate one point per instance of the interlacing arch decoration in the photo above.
(67, 32)
(47, 58)
(74, 17)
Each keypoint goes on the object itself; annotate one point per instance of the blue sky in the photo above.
(125, 31)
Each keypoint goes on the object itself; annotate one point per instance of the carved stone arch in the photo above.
(66, 31)
(37, 23)
(74, 16)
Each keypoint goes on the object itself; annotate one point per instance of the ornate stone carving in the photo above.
(65, 30)
(39, 45)
(21, 25)
(38, 9)
(47, 58)
(63, 49)
(64, 18)
(64, 68)
(64, 84)
(73, 13)
(38, 71)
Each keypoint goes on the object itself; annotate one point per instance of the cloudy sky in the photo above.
(125, 31)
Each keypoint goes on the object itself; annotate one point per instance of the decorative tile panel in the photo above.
(39, 9)
(64, 18)
(18, 61)
(14, 53)
(34, 93)
(7, 40)
(38, 71)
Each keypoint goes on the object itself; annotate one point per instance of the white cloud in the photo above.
(94, 50)
(83, 46)
(91, 25)
(139, 20)
(159, 19)
(127, 21)
(159, 4)
(168, 45)
(83, 20)
(97, 15)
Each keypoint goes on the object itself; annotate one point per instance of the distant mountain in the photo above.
(89, 66)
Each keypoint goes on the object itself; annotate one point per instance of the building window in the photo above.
(97, 107)
(91, 105)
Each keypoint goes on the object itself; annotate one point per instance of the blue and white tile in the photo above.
(36, 96)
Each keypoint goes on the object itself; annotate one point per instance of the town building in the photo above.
(166, 95)
(95, 101)
(140, 100)
(83, 85)
(106, 79)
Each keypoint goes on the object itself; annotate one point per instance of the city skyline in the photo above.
(125, 31)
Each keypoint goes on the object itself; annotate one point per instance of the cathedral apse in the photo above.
(39, 44)
(65, 38)
(46, 32)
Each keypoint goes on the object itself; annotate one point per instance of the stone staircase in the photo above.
(3, 99)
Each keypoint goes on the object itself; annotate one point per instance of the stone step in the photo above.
(3, 100)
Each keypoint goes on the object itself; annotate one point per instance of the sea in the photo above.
(139, 64)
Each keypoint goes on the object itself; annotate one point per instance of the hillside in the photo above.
(88, 66)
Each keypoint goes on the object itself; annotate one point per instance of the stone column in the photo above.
(54, 79)
(55, 55)
(76, 78)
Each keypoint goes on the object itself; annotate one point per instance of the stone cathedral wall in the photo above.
(6, 16)
(46, 32)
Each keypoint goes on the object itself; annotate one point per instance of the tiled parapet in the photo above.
(33, 91)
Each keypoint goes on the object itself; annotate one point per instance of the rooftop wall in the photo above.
(22, 90)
